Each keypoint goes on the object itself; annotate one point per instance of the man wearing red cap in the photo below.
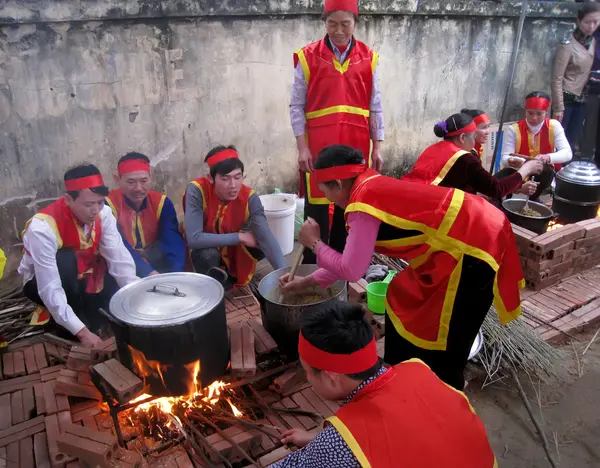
(147, 219)
(335, 100)
(74, 255)
(536, 136)
(390, 417)
(225, 223)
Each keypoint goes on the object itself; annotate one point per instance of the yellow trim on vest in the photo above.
(338, 110)
(517, 130)
(350, 441)
(161, 205)
(311, 199)
(193, 182)
(552, 133)
(304, 65)
(444, 172)
(374, 61)
(138, 222)
(403, 242)
(112, 207)
(339, 67)
(52, 223)
(458, 197)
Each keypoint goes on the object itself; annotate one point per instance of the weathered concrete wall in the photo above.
(91, 80)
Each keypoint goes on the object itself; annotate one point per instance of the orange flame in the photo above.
(553, 225)
(146, 368)
(236, 412)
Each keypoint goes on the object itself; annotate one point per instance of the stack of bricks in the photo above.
(556, 254)
(241, 305)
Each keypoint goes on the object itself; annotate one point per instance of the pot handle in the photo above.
(258, 295)
(119, 327)
(220, 275)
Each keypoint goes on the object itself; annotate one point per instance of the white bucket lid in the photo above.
(278, 202)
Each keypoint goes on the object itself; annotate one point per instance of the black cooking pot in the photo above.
(165, 324)
(579, 182)
(513, 207)
(573, 211)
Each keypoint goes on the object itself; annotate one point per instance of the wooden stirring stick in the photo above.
(294, 268)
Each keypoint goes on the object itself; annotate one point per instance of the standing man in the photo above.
(74, 255)
(335, 100)
(225, 222)
(147, 219)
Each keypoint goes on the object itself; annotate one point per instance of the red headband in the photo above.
(537, 103)
(75, 185)
(337, 173)
(222, 156)
(354, 363)
(133, 165)
(481, 119)
(468, 129)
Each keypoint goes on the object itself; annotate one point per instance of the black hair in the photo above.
(224, 167)
(451, 124)
(84, 170)
(339, 328)
(472, 112)
(133, 156)
(328, 14)
(540, 94)
(338, 155)
(587, 8)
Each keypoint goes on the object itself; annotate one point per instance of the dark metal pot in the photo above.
(513, 207)
(281, 320)
(573, 212)
(172, 321)
(577, 193)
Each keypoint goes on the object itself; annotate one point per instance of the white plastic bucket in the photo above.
(279, 210)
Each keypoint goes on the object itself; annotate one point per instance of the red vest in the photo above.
(528, 144)
(227, 218)
(451, 224)
(146, 221)
(409, 417)
(479, 150)
(69, 234)
(338, 101)
(435, 162)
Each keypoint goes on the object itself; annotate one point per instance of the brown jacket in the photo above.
(571, 70)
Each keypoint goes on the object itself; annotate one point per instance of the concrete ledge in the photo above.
(51, 11)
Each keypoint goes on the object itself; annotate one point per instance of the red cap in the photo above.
(343, 5)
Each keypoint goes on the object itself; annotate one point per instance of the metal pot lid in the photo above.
(581, 173)
(167, 299)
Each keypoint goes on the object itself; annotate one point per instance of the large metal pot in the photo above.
(577, 193)
(281, 320)
(164, 324)
(513, 207)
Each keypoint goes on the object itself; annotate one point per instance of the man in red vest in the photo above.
(74, 258)
(335, 100)
(225, 223)
(147, 219)
(390, 417)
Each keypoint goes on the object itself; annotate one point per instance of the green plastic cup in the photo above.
(376, 293)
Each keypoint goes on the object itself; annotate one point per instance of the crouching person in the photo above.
(74, 259)
(398, 416)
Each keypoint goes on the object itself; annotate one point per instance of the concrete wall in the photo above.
(91, 80)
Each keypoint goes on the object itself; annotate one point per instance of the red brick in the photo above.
(538, 266)
(30, 363)
(5, 411)
(299, 401)
(50, 398)
(22, 430)
(16, 406)
(554, 239)
(120, 381)
(40, 356)
(19, 363)
(549, 305)
(273, 457)
(28, 403)
(8, 365)
(75, 390)
(12, 455)
(90, 434)
(546, 282)
(40, 403)
(561, 268)
(26, 453)
(559, 251)
(40, 450)
(52, 433)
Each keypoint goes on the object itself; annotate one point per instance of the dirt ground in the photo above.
(570, 412)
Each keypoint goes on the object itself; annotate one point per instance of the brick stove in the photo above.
(560, 252)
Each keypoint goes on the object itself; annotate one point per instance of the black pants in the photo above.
(590, 140)
(83, 304)
(336, 238)
(473, 300)
(205, 259)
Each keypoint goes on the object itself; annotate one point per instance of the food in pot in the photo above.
(310, 296)
(529, 212)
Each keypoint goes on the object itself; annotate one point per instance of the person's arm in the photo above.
(563, 55)
(39, 242)
(194, 224)
(358, 252)
(563, 152)
(376, 124)
(509, 144)
(328, 449)
(118, 259)
(264, 237)
(298, 117)
(170, 239)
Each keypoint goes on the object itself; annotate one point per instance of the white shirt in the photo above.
(563, 151)
(39, 260)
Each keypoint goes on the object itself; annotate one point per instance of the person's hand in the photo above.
(247, 239)
(309, 233)
(528, 188)
(88, 339)
(153, 273)
(515, 162)
(545, 158)
(305, 160)
(298, 437)
(558, 115)
(299, 283)
(532, 167)
(376, 160)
